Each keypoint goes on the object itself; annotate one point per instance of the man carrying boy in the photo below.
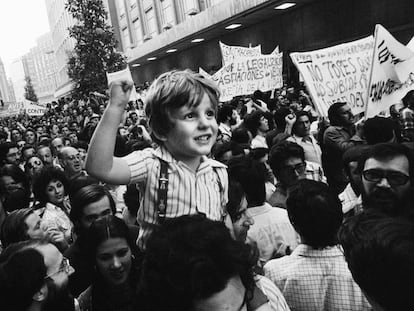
(176, 178)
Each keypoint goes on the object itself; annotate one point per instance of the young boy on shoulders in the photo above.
(177, 178)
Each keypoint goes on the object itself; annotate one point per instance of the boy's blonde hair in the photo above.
(173, 90)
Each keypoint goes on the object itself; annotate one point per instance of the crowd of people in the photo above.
(181, 202)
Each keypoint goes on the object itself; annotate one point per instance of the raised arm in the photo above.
(100, 162)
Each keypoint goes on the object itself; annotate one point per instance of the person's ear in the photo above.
(159, 136)
(41, 294)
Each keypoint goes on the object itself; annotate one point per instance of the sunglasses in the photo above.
(298, 168)
(34, 164)
(393, 178)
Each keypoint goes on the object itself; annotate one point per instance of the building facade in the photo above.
(17, 77)
(41, 63)
(160, 35)
(5, 93)
(59, 22)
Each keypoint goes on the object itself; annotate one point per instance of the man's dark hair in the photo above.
(4, 149)
(252, 121)
(408, 99)
(252, 176)
(315, 212)
(22, 274)
(224, 112)
(282, 152)
(386, 151)
(85, 196)
(333, 112)
(81, 144)
(378, 130)
(353, 154)
(14, 229)
(299, 114)
(380, 253)
(191, 258)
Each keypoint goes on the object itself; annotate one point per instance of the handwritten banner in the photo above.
(246, 75)
(337, 73)
(230, 53)
(392, 72)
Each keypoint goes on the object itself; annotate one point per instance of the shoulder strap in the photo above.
(162, 191)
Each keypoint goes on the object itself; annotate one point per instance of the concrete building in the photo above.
(42, 68)
(4, 85)
(160, 35)
(59, 21)
(17, 76)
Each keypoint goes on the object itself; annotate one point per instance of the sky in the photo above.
(21, 23)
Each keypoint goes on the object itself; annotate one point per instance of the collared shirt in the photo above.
(225, 131)
(272, 231)
(310, 146)
(407, 119)
(349, 199)
(313, 172)
(276, 300)
(258, 142)
(204, 191)
(316, 280)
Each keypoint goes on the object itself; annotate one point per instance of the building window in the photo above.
(138, 29)
(167, 13)
(125, 38)
(191, 7)
(151, 22)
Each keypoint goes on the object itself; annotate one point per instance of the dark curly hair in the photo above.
(191, 258)
(43, 178)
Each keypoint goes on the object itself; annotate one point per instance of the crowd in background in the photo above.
(299, 185)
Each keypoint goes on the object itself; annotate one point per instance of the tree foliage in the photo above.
(29, 92)
(95, 49)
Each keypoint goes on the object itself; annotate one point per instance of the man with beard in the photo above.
(34, 277)
(386, 177)
(227, 117)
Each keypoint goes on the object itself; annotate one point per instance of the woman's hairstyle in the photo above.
(236, 195)
(191, 258)
(45, 176)
(103, 229)
(16, 173)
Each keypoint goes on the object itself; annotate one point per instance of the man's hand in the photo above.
(290, 119)
(119, 93)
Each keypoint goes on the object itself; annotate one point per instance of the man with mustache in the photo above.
(386, 177)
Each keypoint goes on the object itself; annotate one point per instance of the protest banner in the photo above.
(230, 53)
(123, 75)
(34, 110)
(392, 74)
(245, 75)
(14, 109)
(337, 73)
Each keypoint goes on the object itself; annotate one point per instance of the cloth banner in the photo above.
(337, 73)
(392, 74)
(229, 53)
(248, 74)
(123, 75)
(33, 109)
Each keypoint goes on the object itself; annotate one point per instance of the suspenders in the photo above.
(163, 189)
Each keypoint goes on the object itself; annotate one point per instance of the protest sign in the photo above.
(245, 75)
(230, 53)
(392, 74)
(123, 75)
(14, 109)
(338, 73)
(34, 110)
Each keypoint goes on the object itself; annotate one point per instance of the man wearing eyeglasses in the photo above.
(287, 161)
(34, 276)
(386, 177)
(71, 162)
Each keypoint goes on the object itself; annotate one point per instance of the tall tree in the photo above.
(95, 49)
(29, 92)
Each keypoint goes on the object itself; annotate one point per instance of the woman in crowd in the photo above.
(116, 271)
(50, 187)
(14, 188)
(239, 215)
